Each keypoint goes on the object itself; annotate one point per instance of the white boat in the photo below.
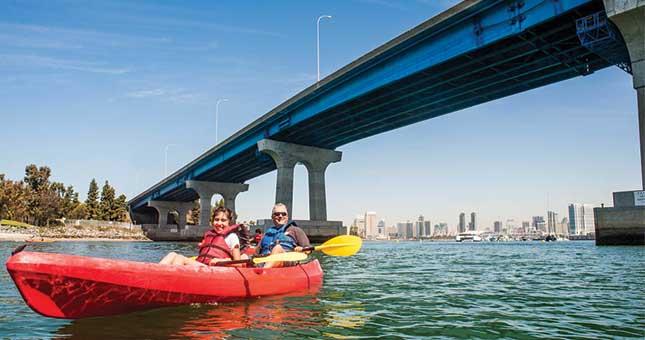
(468, 236)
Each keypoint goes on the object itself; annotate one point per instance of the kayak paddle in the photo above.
(290, 256)
(343, 245)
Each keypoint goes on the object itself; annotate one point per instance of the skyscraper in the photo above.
(510, 225)
(441, 229)
(405, 229)
(526, 226)
(581, 220)
(409, 229)
(551, 222)
(462, 223)
(563, 227)
(370, 224)
(538, 223)
(418, 227)
(497, 227)
(380, 228)
(359, 224)
(473, 221)
(400, 230)
(427, 228)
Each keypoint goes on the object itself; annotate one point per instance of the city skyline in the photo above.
(114, 91)
(578, 213)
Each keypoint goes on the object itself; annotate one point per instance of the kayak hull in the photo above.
(72, 287)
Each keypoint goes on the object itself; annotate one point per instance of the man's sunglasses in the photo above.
(279, 214)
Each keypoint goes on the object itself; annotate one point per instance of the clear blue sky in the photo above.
(98, 89)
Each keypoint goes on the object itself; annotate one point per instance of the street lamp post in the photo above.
(165, 169)
(217, 119)
(318, 42)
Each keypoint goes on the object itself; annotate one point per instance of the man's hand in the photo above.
(214, 261)
(299, 249)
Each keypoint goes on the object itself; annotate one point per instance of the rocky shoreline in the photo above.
(74, 233)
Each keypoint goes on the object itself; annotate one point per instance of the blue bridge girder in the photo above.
(475, 52)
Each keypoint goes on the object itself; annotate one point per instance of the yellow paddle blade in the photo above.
(343, 245)
(290, 256)
(193, 258)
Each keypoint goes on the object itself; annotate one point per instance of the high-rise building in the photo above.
(473, 221)
(392, 231)
(405, 229)
(526, 226)
(581, 220)
(427, 228)
(563, 227)
(551, 222)
(359, 224)
(497, 227)
(441, 229)
(510, 226)
(418, 227)
(400, 230)
(370, 224)
(380, 228)
(462, 223)
(537, 222)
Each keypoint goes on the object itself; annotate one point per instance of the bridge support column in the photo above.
(206, 190)
(286, 155)
(317, 195)
(624, 223)
(165, 207)
(629, 17)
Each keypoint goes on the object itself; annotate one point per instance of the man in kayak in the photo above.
(219, 244)
(282, 237)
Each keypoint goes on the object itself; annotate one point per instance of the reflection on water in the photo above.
(298, 316)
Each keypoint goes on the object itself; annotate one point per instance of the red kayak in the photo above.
(72, 287)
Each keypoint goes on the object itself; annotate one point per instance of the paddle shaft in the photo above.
(226, 263)
(290, 256)
(325, 246)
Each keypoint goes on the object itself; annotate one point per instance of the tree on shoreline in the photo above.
(92, 201)
(106, 206)
(38, 201)
(121, 209)
(13, 200)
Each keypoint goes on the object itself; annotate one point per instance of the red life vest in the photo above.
(214, 245)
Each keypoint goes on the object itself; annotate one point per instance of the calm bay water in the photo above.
(399, 290)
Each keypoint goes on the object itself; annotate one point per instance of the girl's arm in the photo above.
(236, 253)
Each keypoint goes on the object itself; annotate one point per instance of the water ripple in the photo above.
(401, 290)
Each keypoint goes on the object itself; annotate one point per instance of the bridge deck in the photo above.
(475, 52)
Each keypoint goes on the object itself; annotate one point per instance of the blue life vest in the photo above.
(275, 235)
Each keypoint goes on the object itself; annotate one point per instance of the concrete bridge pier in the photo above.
(629, 17)
(286, 156)
(316, 160)
(166, 207)
(206, 190)
(317, 195)
(624, 224)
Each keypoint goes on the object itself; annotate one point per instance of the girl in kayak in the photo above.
(219, 244)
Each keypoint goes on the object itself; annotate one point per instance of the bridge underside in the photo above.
(541, 55)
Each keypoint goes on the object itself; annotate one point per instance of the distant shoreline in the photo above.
(19, 237)
(28, 233)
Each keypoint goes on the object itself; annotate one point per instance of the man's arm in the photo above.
(300, 237)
